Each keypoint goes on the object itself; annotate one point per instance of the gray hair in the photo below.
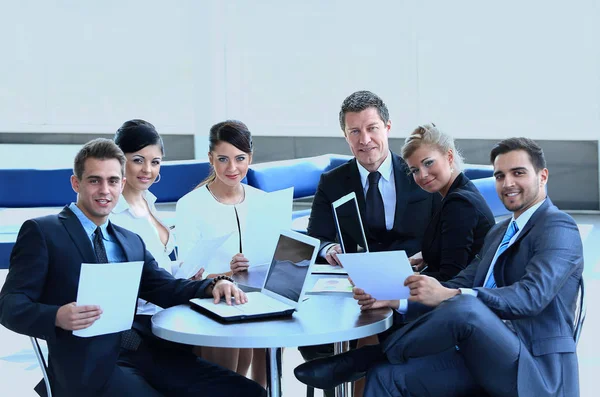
(359, 101)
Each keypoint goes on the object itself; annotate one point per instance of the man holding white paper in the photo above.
(38, 297)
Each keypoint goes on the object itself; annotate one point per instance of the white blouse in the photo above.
(200, 216)
(123, 216)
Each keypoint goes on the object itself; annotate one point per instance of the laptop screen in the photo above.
(351, 234)
(289, 267)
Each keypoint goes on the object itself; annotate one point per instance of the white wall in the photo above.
(479, 69)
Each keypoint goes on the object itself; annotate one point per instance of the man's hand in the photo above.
(367, 302)
(71, 317)
(239, 263)
(331, 255)
(198, 276)
(228, 290)
(428, 291)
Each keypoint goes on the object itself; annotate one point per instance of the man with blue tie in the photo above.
(504, 325)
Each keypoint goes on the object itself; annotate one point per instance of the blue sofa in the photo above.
(29, 188)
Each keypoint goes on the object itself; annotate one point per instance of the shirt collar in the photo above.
(88, 225)
(123, 205)
(385, 169)
(522, 220)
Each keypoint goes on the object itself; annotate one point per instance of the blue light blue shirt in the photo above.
(114, 252)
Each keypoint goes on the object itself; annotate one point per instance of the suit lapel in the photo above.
(402, 187)
(122, 240)
(488, 257)
(356, 185)
(78, 235)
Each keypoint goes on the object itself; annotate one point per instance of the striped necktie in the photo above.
(510, 232)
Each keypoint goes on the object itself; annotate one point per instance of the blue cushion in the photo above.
(303, 174)
(477, 171)
(36, 188)
(487, 188)
(179, 178)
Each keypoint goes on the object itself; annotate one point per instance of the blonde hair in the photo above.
(429, 134)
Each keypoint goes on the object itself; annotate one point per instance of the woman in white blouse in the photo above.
(216, 208)
(135, 210)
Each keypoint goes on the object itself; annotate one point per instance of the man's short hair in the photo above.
(359, 101)
(101, 149)
(535, 152)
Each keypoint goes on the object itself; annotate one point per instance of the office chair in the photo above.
(580, 312)
(42, 361)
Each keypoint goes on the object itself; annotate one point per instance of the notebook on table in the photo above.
(348, 222)
(284, 286)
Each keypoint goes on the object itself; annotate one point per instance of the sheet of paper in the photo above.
(332, 285)
(327, 269)
(380, 274)
(265, 219)
(200, 255)
(114, 287)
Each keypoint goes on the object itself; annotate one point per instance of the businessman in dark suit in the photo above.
(39, 293)
(394, 209)
(504, 325)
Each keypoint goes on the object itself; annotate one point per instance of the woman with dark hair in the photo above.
(217, 207)
(144, 150)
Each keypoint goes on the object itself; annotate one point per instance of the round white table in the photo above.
(319, 320)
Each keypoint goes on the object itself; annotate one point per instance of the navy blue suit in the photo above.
(537, 278)
(44, 275)
(414, 209)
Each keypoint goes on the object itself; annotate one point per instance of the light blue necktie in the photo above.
(510, 232)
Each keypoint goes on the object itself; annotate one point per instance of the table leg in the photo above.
(341, 347)
(274, 372)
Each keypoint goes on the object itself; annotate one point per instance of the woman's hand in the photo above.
(198, 276)
(239, 263)
(367, 302)
(417, 262)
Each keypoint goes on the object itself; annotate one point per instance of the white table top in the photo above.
(319, 320)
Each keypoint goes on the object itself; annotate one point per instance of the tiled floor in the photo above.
(19, 371)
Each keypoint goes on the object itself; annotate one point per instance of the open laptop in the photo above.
(284, 286)
(348, 222)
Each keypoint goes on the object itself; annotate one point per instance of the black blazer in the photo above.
(44, 274)
(414, 209)
(456, 232)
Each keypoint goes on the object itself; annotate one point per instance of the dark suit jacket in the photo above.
(414, 209)
(538, 279)
(456, 232)
(44, 275)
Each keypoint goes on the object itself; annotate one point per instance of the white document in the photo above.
(264, 221)
(199, 256)
(114, 287)
(379, 274)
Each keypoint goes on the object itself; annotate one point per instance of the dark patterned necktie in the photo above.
(99, 246)
(374, 201)
(130, 339)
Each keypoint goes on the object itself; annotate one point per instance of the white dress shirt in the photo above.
(387, 188)
(200, 216)
(123, 216)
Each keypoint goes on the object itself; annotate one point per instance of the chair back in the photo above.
(43, 366)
